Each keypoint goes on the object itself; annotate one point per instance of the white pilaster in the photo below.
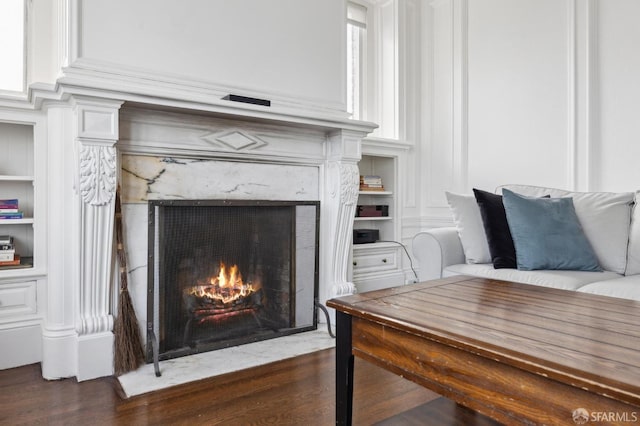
(342, 180)
(97, 134)
(59, 337)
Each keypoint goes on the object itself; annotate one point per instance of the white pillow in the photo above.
(466, 215)
(605, 218)
(633, 261)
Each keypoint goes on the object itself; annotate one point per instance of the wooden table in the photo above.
(518, 353)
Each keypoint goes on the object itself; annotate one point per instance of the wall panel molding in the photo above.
(586, 139)
(448, 150)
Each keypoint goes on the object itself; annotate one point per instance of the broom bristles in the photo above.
(129, 354)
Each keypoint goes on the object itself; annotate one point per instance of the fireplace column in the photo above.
(342, 180)
(77, 333)
(97, 136)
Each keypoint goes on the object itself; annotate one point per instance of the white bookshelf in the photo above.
(379, 264)
(17, 182)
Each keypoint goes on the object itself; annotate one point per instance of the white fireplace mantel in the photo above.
(204, 152)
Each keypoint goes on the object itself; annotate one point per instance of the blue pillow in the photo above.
(547, 234)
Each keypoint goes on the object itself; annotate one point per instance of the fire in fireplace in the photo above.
(224, 273)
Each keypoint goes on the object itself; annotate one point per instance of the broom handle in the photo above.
(122, 258)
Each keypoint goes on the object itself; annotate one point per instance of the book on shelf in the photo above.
(9, 209)
(9, 203)
(14, 262)
(6, 239)
(14, 215)
(371, 183)
(371, 188)
(7, 255)
(371, 179)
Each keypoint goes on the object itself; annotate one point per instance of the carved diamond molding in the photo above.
(235, 140)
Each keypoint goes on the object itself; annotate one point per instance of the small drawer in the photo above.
(18, 299)
(375, 260)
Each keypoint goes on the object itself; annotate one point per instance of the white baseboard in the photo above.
(20, 346)
(95, 356)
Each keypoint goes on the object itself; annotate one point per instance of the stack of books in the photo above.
(8, 256)
(9, 209)
(371, 183)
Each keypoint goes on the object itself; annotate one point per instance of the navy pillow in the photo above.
(496, 228)
(547, 234)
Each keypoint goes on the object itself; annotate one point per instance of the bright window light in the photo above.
(12, 53)
(353, 70)
(356, 48)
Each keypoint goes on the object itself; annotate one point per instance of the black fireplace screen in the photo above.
(224, 273)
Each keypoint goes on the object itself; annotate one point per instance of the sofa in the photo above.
(608, 222)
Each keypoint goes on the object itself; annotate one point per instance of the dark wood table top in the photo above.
(583, 340)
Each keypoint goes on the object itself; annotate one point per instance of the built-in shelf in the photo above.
(11, 178)
(17, 181)
(375, 193)
(375, 218)
(25, 263)
(379, 264)
(378, 244)
(24, 221)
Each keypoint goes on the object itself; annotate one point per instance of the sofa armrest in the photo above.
(436, 249)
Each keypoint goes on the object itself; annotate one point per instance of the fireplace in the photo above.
(228, 272)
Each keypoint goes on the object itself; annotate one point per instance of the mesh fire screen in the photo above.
(224, 273)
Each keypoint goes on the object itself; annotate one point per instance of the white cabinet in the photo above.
(379, 264)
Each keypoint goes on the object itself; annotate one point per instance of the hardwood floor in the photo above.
(298, 391)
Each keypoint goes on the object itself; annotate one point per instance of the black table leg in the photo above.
(344, 370)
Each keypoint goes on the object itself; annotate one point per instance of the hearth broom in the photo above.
(129, 354)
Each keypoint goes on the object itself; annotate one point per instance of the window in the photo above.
(373, 63)
(356, 62)
(12, 48)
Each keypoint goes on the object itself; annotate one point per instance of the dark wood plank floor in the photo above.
(298, 391)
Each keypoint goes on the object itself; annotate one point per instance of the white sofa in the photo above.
(611, 223)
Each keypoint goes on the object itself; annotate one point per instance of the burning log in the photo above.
(221, 298)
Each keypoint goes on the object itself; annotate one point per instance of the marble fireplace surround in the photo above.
(198, 155)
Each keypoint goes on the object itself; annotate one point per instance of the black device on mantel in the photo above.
(365, 236)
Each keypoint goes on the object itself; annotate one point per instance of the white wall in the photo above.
(282, 48)
(517, 92)
(617, 146)
(543, 92)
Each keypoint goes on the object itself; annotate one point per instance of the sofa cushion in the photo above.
(466, 216)
(624, 287)
(605, 218)
(496, 229)
(547, 234)
(565, 280)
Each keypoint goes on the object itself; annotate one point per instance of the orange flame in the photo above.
(226, 287)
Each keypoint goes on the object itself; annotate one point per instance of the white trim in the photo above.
(592, 181)
(99, 75)
(460, 101)
(572, 81)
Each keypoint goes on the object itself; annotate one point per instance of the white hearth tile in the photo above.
(210, 364)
